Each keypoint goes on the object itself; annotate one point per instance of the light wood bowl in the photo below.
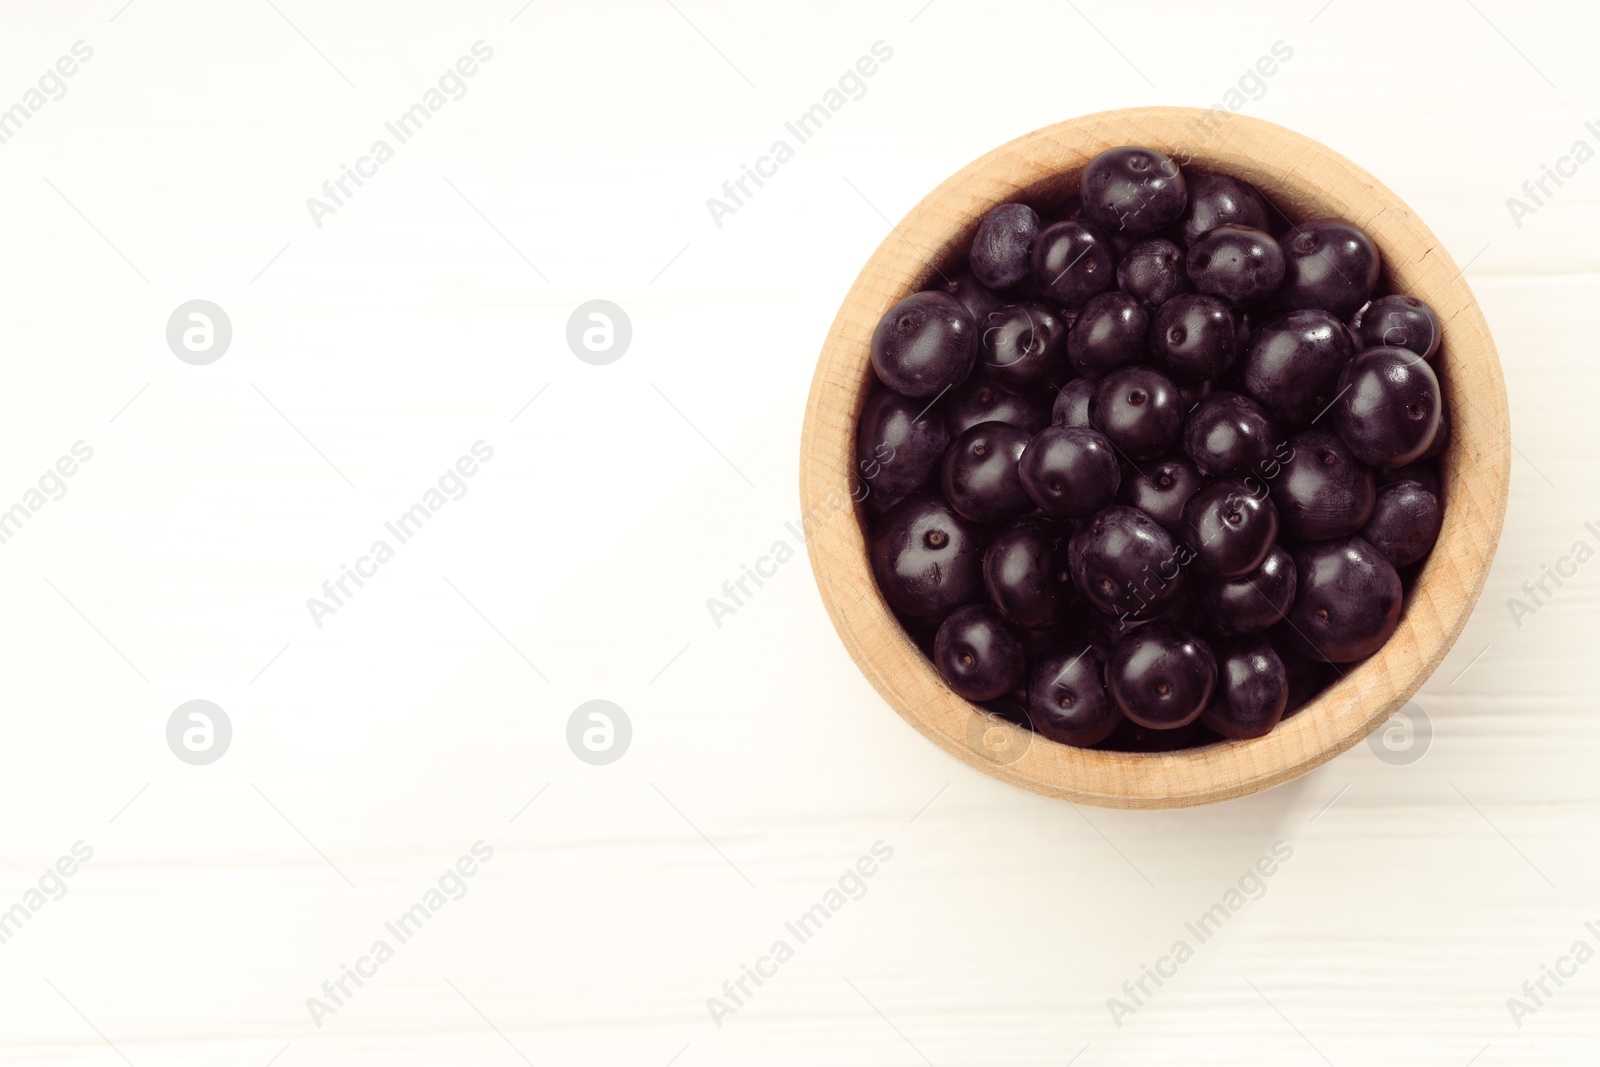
(1306, 180)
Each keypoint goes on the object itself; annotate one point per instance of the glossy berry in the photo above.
(981, 399)
(1405, 523)
(924, 344)
(1152, 272)
(1072, 262)
(1160, 488)
(899, 441)
(1229, 529)
(1070, 471)
(1139, 411)
(1238, 264)
(1025, 572)
(1388, 407)
(1108, 334)
(1193, 337)
(1348, 600)
(1322, 491)
(973, 295)
(1230, 434)
(1398, 322)
(1067, 697)
(980, 476)
(1252, 689)
(927, 559)
(1124, 563)
(1133, 190)
(1161, 677)
(1218, 200)
(978, 654)
(1071, 406)
(1254, 601)
(1002, 249)
(1024, 346)
(1293, 365)
(1329, 264)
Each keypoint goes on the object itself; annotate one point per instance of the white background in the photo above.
(423, 716)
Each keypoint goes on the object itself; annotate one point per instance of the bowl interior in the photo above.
(1303, 180)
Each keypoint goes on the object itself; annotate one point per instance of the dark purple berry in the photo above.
(1124, 563)
(899, 441)
(1139, 410)
(1388, 406)
(1322, 491)
(1133, 190)
(1348, 601)
(927, 559)
(980, 476)
(1024, 346)
(1405, 523)
(1161, 488)
(1229, 529)
(1070, 471)
(1330, 264)
(1161, 677)
(1108, 334)
(978, 654)
(1002, 249)
(1193, 337)
(1293, 365)
(1025, 571)
(1252, 689)
(924, 345)
(1239, 264)
(1398, 322)
(1256, 600)
(1072, 262)
(1067, 697)
(1218, 200)
(1230, 434)
(1152, 272)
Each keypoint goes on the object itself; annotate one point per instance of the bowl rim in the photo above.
(1307, 180)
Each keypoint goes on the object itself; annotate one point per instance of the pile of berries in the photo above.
(1156, 462)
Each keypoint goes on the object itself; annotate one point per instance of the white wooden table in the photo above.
(429, 711)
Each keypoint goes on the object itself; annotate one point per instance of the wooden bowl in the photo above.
(1306, 180)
